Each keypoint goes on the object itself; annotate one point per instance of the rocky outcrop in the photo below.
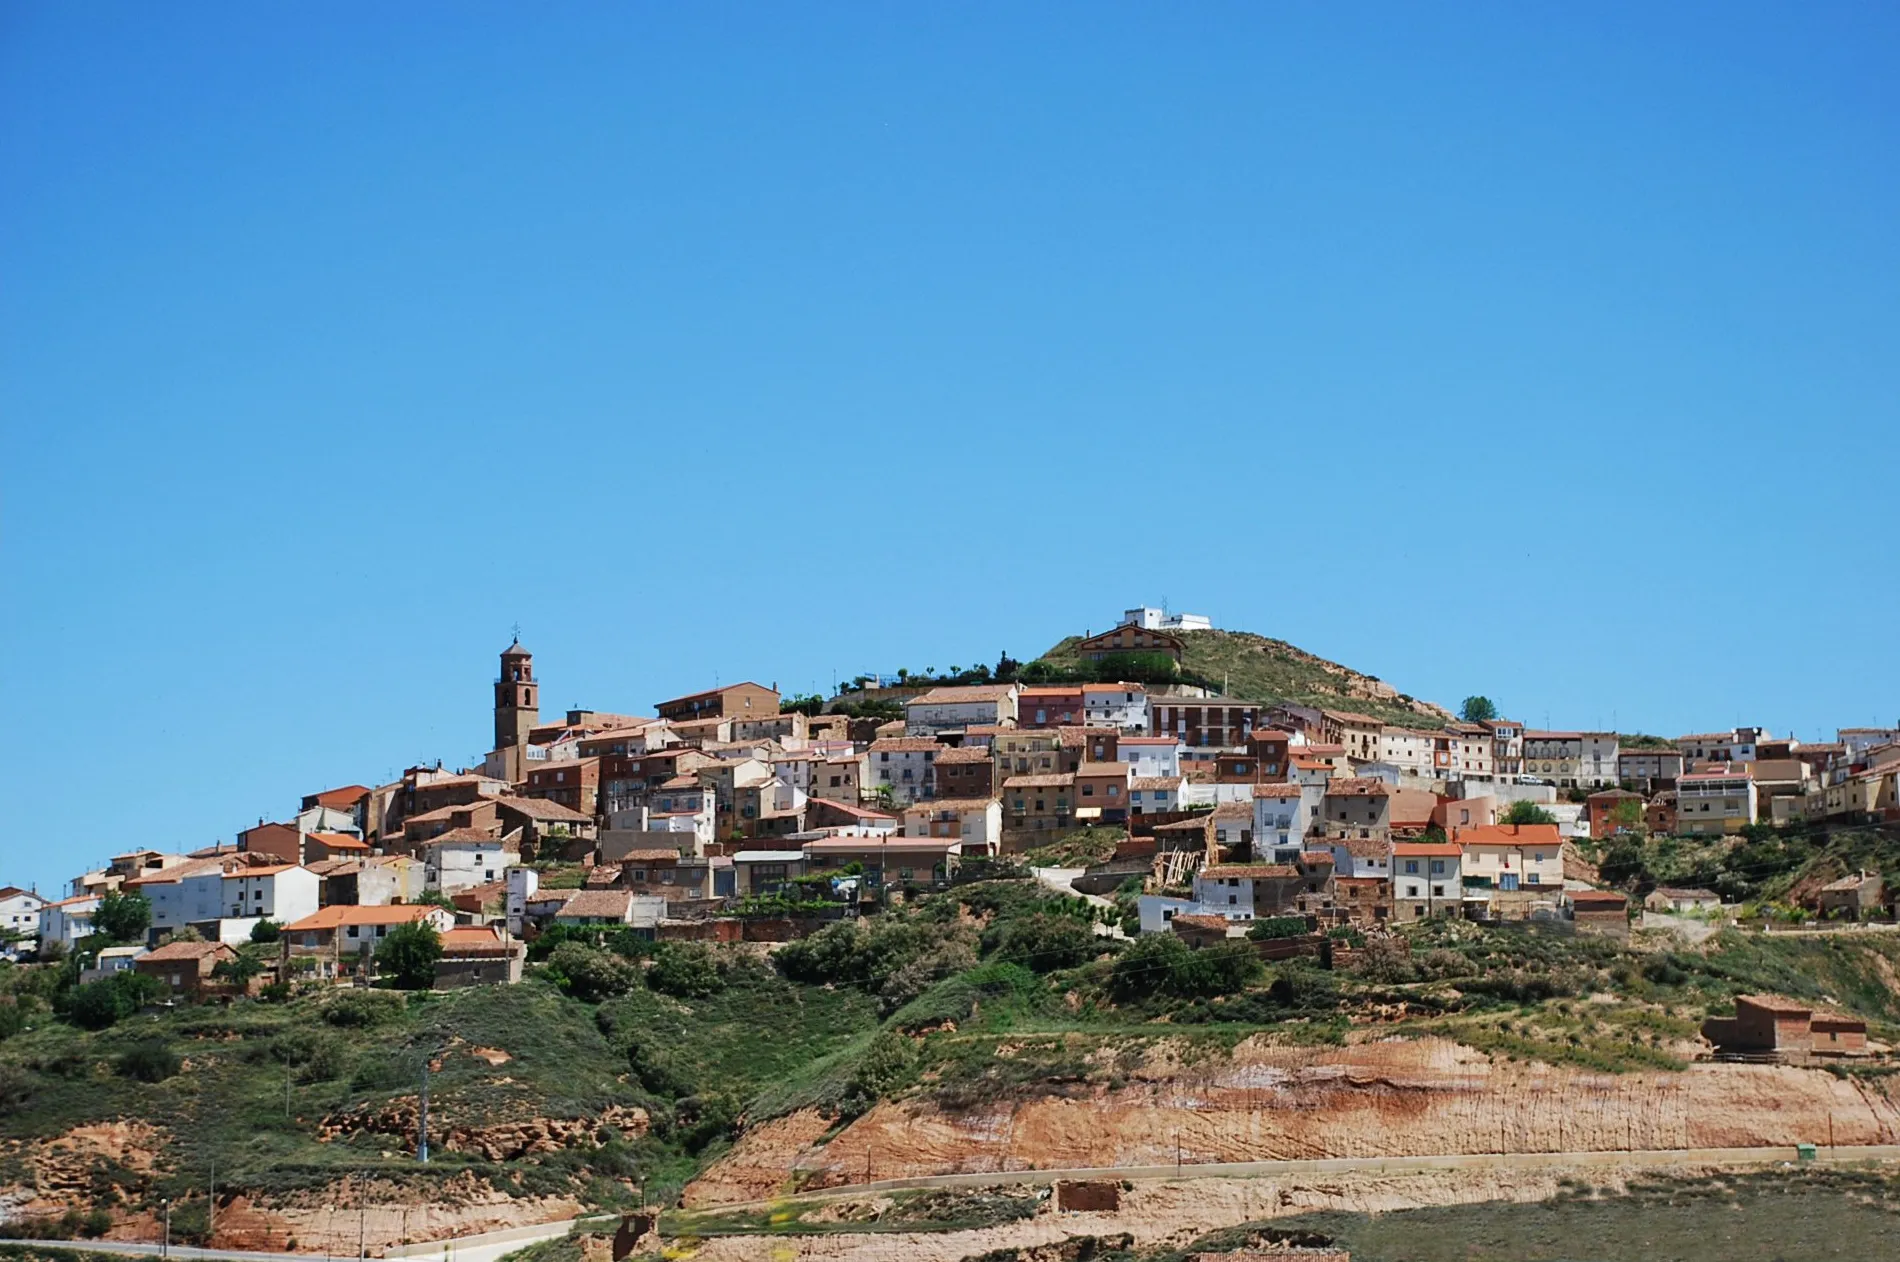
(1398, 1097)
(502, 1141)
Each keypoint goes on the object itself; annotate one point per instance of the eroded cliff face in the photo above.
(1401, 1097)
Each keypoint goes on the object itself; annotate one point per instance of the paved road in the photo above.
(1062, 881)
(1371, 1165)
(486, 1247)
(492, 1245)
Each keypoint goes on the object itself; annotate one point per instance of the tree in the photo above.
(1006, 668)
(589, 973)
(686, 970)
(122, 917)
(240, 971)
(409, 953)
(1477, 710)
(1527, 813)
(266, 931)
(1628, 814)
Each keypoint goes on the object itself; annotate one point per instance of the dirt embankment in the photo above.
(327, 1220)
(1159, 1214)
(1393, 1098)
(330, 1220)
(502, 1142)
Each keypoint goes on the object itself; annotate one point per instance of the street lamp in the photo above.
(165, 1249)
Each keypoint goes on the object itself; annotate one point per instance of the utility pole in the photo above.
(211, 1207)
(362, 1223)
(422, 1135)
(165, 1249)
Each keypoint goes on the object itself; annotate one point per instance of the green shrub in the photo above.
(148, 1060)
(589, 973)
(1162, 965)
(266, 931)
(1042, 942)
(1276, 927)
(360, 1009)
(686, 970)
(97, 1005)
(408, 954)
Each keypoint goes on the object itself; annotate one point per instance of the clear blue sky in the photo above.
(1540, 350)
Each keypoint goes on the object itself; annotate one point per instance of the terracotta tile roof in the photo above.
(1508, 835)
(1194, 823)
(963, 754)
(1154, 782)
(1201, 922)
(474, 940)
(442, 814)
(1117, 770)
(339, 915)
(340, 841)
(657, 855)
(186, 951)
(904, 745)
(543, 809)
(951, 804)
(852, 809)
(1357, 787)
(596, 905)
(1233, 811)
(1147, 740)
(1276, 790)
(1368, 847)
(1433, 849)
(1039, 782)
(1245, 871)
(1597, 899)
(463, 835)
(968, 693)
(340, 799)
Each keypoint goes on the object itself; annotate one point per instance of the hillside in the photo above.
(1256, 668)
(978, 1029)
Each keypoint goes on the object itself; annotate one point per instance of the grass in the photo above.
(1751, 1217)
(1256, 668)
(1078, 849)
(924, 1210)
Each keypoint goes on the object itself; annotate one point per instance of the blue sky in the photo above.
(1545, 351)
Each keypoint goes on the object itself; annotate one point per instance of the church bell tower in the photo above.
(517, 706)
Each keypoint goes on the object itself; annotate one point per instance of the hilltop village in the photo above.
(740, 814)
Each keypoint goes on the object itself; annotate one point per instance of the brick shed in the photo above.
(1096, 1197)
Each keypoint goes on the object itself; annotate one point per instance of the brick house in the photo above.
(184, 968)
(1101, 792)
(574, 783)
(1602, 807)
(1039, 803)
(1127, 639)
(1851, 897)
(1204, 722)
(1770, 1026)
(965, 772)
(735, 701)
(1040, 706)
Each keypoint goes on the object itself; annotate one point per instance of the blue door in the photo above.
(1508, 881)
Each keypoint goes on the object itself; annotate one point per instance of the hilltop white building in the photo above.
(1149, 618)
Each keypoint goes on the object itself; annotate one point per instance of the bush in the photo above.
(1042, 942)
(122, 917)
(12, 1020)
(1276, 927)
(148, 1060)
(1527, 813)
(887, 1064)
(686, 970)
(1161, 964)
(360, 1009)
(856, 953)
(266, 931)
(97, 1005)
(659, 1069)
(590, 974)
(408, 954)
